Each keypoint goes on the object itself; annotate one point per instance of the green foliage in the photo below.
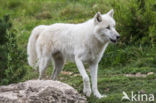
(4, 26)
(11, 69)
(136, 21)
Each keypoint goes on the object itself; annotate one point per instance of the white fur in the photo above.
(80, 43)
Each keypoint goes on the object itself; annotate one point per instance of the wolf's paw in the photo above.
(98, 95)
(87, 92)
(101, 96)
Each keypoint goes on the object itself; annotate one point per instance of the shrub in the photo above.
(12, 58)
(137, 21)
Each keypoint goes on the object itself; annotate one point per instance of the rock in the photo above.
(136, 75)
(40, 91)
(150, 73)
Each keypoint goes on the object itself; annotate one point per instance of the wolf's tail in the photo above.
(31, 48)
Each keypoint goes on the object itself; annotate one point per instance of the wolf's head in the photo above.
(105, 27)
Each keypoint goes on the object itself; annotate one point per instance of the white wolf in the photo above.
(81, 43)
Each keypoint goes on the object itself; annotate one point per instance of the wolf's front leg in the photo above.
(93, 73)
(86, 83)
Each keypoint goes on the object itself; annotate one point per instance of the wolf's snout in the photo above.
(118, 37)
(113, 40)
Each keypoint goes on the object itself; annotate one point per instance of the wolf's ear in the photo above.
(98, 17)
(111, 13)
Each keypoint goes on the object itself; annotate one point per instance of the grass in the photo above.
(118, 59)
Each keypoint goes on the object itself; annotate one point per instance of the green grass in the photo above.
(118, 59)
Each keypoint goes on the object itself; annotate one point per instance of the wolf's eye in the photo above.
(108, 27)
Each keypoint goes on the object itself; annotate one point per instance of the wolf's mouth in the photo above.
(112, 40)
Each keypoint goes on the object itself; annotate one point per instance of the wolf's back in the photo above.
(31, 48)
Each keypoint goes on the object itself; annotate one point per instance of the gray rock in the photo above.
(40, 91)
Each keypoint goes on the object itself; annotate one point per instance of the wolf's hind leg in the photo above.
(44, 57)
(43, 64)
(58, 65)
